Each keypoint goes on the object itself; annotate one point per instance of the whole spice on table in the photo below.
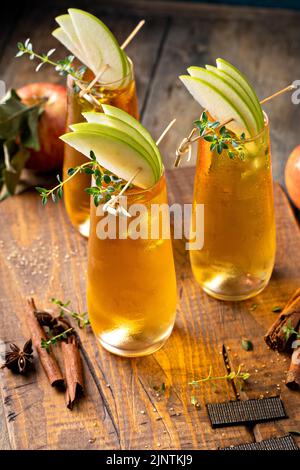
(293, 375)
(73, 368)
(61, 332)
(47, 358)
(282, 335)
(276, 337)
(18, 360)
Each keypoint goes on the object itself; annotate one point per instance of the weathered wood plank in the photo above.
(47, 258)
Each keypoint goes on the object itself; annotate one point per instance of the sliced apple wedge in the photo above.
(65, 22)
(99, 45)
(219, 105)
(102, 122)
(62, 37)
(238, 89)
(239, 77)
(223, 88)
(116, 154)
(129, 124)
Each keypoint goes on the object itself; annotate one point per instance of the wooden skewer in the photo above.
(88, 97)
(115, 199)
(171, 124)
(278, 93)
(187, 141)
(133, 34)
(95, 80)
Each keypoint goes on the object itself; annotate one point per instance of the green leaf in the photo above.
(41, 190)
(247, 344)
(11, 178)
(209, 138)
(92, 156)
(71, 171)
(277, 309)
(204, 117)
(60, 192)
(106, 178)
(88, 171)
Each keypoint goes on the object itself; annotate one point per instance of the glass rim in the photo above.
(109, 84)
(256, 136)
(141, 191)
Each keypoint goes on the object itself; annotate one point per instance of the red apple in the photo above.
(292, 176)
(51, 124)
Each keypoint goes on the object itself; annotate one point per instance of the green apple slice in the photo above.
(239, 77)
(222, 87)
(104, 129)
(62, 37)
(131, 121)
(115, 154)
(219, 105)
(239, 90)
(101, 118)
(99, 45)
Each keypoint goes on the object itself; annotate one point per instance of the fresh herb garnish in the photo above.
(277, 309)
(62, 66)
(288, 330)
(239, 375)
(106, 184)
(46, 343)
(220, 139)
(247, 345)
(81, 318)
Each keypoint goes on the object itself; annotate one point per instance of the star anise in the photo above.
(18, 360)
(45, 318)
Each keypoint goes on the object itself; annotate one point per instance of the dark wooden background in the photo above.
(263, 43)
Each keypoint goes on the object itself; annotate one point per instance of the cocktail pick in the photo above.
(186, 143)
(86, 90)
(109, 206)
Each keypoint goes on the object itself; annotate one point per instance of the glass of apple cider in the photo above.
(237, 258)
(131, 289)
(121, 94)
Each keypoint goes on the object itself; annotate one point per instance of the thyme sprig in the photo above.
(62, 66)
(238, 375)
(81, 318)
(288, 330)
(46, 343)
(106, 183)
(220, 139)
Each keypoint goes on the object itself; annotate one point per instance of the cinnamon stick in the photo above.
(73, 368)
(293, 375)
(276, 337)
(47, 359)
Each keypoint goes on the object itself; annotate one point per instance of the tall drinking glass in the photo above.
(237, 258)
(121, 94)
(131, 290)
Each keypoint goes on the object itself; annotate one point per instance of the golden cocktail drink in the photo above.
(237, 258)
(121, 94)
(131, 290)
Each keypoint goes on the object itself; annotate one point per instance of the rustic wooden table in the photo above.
(265, 45)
